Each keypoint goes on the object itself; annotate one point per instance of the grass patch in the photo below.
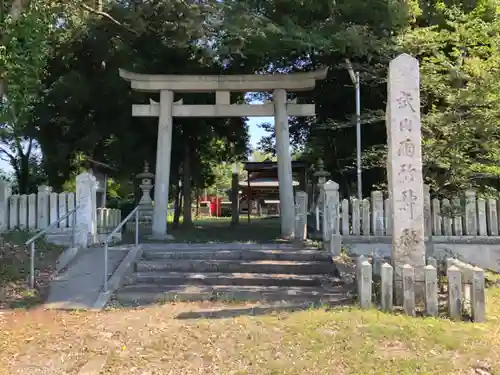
(220, 230)
(15, 269)
(154, 340)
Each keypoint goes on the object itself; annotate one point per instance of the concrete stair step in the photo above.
(238, 266)
(217, 278)
(288, 255)
(232, 246)
(151, 293)
(62, 238)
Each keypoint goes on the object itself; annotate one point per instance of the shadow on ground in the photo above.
(258, 230)
(253, 311)
(15, 269)
(221, 230)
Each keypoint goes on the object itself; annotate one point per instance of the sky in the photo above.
(4, 166)
(256, 134)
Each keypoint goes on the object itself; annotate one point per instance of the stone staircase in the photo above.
(60, 237)
(234, 272)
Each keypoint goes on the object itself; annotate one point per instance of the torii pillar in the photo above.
(163, 156)
(285, 178)
(223, 85)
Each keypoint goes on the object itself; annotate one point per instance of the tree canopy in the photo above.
(64, 101)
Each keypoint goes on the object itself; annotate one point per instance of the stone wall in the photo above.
(464, 226)
(37, 211)
(463, 284)
(461, 215)
(108, 219)
(483, 252)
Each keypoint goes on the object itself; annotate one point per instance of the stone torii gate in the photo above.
(222, 85)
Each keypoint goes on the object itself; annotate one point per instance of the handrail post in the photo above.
(136, 227)
(73, 230)
(106, 265)
(31, 241)
(110, 236)
(32, 265)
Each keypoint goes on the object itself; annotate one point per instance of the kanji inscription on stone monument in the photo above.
(405, 125)
(404, 165)
(407, 173)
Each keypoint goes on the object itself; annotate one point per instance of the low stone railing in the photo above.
(37, 211)
(108, 219)
(461, 215)
(461, 283)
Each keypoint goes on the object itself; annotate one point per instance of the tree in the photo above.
(23, 59)
(30, 29)
(457, 45)
(83, 75)
(460, 56)
(302, 36)
(258, 156)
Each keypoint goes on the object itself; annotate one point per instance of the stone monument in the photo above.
(404, 169)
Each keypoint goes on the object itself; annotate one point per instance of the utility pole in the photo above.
(355, 80)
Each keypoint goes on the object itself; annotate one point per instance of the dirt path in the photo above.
(173, 339)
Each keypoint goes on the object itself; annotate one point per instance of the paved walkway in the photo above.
(80, 285)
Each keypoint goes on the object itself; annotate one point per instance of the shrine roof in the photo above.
(99, 165)
(263, 183)
(260, 166)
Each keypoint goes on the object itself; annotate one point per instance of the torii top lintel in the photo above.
(236, 83)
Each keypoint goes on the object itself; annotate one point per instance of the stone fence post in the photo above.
(301, 215)
(470, 213)
(43, 218)
(86, 215)
(5, 192)
(427, 211)
(331, 217)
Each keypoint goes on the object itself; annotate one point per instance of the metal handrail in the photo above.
(110, 236)
(31, 241)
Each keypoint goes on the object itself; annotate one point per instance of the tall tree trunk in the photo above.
(24, 175)
(187, 216)
(20, 163)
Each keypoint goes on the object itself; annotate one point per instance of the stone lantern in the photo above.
(146, 203)
(321, 175)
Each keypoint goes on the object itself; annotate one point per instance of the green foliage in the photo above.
(460, 84)
(24, 53)
(63, 85)
(259, 156)
(457, 45)
(23, 59)
(83, 76)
